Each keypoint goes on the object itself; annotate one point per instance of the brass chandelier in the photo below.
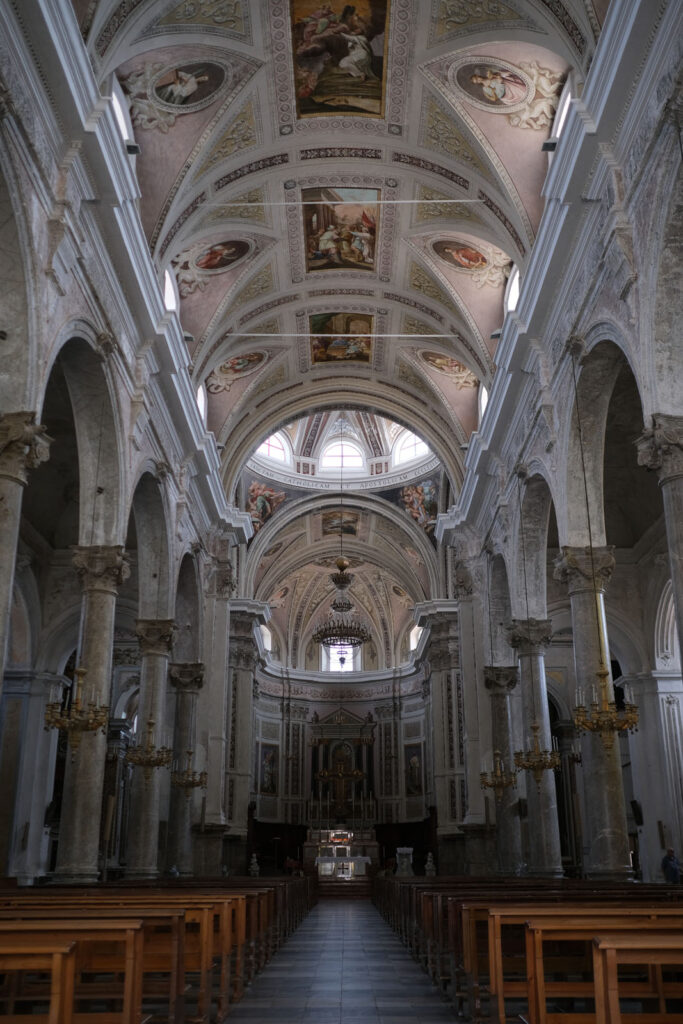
(499, 779)
(341, 628)
(78, 718)
(146, 755)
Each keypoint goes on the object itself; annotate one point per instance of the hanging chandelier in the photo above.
(499, 779)
(341, 628)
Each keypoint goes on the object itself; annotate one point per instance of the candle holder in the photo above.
(79, 718)
(603, 716)
(534, 759)
(499, 779)
(188, 778)
(148, 756)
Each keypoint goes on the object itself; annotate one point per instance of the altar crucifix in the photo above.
(342, 778)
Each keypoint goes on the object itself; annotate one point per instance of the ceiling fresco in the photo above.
(341, 193)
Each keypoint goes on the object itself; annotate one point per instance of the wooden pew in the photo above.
(104, 946)
(571, 927)
(652, 950)
(56, 957)
(163, 955)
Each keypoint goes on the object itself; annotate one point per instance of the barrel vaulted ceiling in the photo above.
(341, 192)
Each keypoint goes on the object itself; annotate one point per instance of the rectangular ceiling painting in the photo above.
(339, 54)
(340, 228)
(341, 337)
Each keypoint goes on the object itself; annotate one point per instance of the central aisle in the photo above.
(343, 965)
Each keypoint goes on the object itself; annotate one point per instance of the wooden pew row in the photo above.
(654, 951)
(163, 953)
(57, 958)
(227, 936)
(113, 948)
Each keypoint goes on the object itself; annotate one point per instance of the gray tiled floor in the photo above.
(343, 965)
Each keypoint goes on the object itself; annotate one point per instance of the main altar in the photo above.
(341, 853)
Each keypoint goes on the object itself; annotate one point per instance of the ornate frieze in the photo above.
(155, 635)
(660, 447)
(186, 675)
(101, 567)
(24, 444)
(529, 636)
(585, 568)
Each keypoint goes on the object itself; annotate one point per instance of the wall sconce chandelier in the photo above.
(78, 718)
(148, 756)
(188, 778)
(601, 716)
(534, 759)
(499, 779)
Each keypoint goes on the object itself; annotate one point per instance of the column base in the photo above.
(142, 874)
(533, 872)
(480, 852)
(208, 851)
(607, 875)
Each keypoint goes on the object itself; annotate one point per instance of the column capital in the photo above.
(187, 676)
(529, 636)
(660, 447)
(575, 567)
(500, 679)
(101, 567)
(155, 635)
(24, 444)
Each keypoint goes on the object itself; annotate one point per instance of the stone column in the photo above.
(661, 448)
(187, 679)
(479, 835)
(213, 712)
(102, 570)
(23, 446)
(155, 637)
(606, 853)
(530, 637)
(242, 659)
(447, 744)
(500, 682)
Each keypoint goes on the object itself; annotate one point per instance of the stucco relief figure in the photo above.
(527, 94)
(339, 56)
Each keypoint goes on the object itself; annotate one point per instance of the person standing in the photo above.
(671, 869)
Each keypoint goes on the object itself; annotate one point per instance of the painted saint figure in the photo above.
(182, 87)
(500, 86)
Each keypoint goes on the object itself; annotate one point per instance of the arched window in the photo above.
(201, 402)
(410, 447)
(170, 295)
(340, 658)
(483, 401)
(512, 291)
(341, 454)
(273, 448)
(267, 638)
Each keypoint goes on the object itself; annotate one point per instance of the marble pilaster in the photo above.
(530, 637)
(187, 679)
(102, 570)
(156, 638)
(500, 682)
(23, 446)
(661, 448)
(606, 846)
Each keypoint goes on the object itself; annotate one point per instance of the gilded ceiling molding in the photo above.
(214, 17)
(243, 132)
(405, 300)
(249, 206)
(440, 133)
(435, 205)
(452, 19)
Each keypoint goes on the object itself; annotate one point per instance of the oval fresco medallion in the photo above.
(221, 255)
(229, 371)
(188, 87)
(492, 84)
(463, 377)
(459, 254)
